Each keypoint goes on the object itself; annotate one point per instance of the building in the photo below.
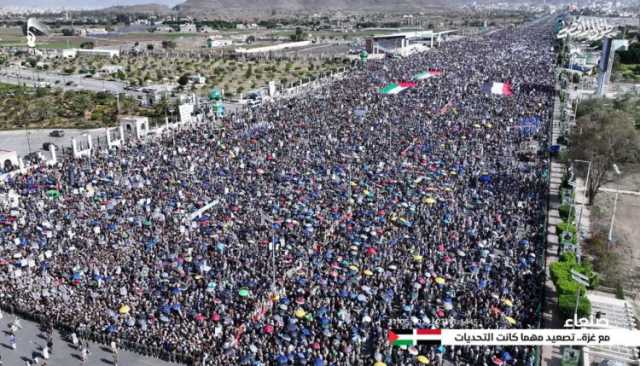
(217, 43)
(188, 28)
(198, 79)
(276, 47)
(111, 69)
(94, 32)
(404, 43)
(605, 65)
(135, 126)
(96, 52)
(156, 93)
(164, 29)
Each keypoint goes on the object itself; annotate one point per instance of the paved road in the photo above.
(18, 76)
(24, 141)
(30, 341)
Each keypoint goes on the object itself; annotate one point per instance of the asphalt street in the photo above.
(25, 141)
(30, 342)
(18, 76)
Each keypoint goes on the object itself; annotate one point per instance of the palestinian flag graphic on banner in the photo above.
(395, 88)
(431, 73)
(413, 337)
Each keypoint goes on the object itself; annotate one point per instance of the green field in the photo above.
(234, 77)
(54, 108)
(628, 72)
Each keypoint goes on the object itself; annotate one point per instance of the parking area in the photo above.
(620, 315)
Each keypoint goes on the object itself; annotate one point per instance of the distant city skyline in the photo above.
(79, 4)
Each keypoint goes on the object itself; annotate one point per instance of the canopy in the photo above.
(423, 359)
(243, 292)
(53, 193)
(124, 309)
(510, 320)
(300, 313)
(215, 94)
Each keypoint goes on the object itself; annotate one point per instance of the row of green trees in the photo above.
(605, 133)
(630, 56)
(567, 289)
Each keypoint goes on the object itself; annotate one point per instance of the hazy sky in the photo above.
(81, 3)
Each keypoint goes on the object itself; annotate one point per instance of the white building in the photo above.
(164, 29)
(94, 32)
(276, 47)
(216, 43)
(135, 125)
(157, 92)
(97, 52)
(188, 28)
(8, 158)
(198, 79)
(111, 69)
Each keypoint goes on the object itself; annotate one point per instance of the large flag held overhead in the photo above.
(498, 89)
(431, 73)
(412, 337)
(395, 88)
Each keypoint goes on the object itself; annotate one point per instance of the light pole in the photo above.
(615, 202)
(579, 223)
(586, 182)
(273, 251)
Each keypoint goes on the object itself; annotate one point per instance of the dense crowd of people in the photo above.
(327, 219)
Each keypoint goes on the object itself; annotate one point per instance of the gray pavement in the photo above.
(619, 314)
(30, 342)
(552, 355)
(25, 141)
(28, 77)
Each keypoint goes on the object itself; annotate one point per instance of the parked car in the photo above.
(33, 158)
(47, 145)
(611, 363)
(56, 133)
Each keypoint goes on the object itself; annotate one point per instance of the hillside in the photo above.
(263, 7)
(139, 9)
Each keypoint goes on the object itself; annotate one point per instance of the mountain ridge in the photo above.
(226, 7)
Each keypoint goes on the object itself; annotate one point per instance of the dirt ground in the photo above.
(626, 229)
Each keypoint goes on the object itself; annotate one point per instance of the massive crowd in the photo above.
(330, 218)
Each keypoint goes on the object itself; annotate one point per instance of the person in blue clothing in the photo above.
(300, 231)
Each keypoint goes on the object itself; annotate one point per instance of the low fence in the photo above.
(99, 337)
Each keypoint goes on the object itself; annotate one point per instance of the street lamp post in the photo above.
(615, 202)
(586, 182)
(579, 223)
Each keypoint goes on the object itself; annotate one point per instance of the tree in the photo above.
(87, 45)
(150, 47)
(630, 56)
(604, 137)
(298, 36)
(184, 79)
(168, 44)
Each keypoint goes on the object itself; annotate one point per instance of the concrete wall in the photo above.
(277, 47)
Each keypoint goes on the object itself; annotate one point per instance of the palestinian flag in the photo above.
(413, 337)
(395, 88)
(498, 89)
(431, 73)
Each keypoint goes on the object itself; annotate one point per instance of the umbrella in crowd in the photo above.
(294, 232)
